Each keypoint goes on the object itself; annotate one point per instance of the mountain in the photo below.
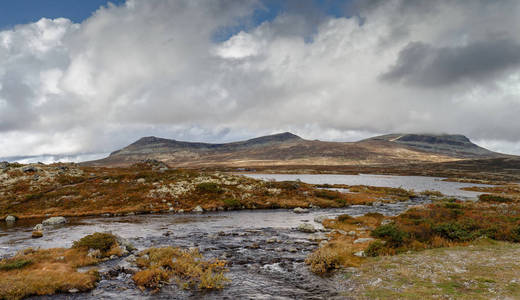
(290, 149)
(453, 145)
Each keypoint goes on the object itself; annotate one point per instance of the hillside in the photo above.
(289, 149)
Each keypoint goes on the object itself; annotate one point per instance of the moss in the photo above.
(14, 264)
(392, 234)
(231, 203)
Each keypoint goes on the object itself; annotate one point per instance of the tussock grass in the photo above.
(187, 267)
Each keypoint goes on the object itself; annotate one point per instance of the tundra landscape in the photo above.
(258, 149)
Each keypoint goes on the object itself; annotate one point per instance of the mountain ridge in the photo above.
(288, 148)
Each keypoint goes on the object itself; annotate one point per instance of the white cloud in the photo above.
(151, 68)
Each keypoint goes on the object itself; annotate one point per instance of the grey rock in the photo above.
(38, 227)
(73, 291)
(320, 219)
(29, 169)
(4, 165)
(10, 219)
(141, 180)
(198, 209)
(54, 221)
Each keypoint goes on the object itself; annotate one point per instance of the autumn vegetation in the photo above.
(49, 271)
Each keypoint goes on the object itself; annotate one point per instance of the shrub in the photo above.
(344, 217)
(99, 241)
(393, 235)
(231, 203)
(151, 278)
(494, 198)
(326, 194)
(209, 188)
(375, 248)
(323, 260)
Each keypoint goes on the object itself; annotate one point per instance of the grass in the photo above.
(49, 271)
(187, 267)
(483, 269)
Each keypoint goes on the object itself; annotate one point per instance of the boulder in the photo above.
(198, 209)
(54, 221)
(28, 169)
(10, 219)
(306, 227)
(37, 234)
(38, 227)
(299, 210)
(4, 165)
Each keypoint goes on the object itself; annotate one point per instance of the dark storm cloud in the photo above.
(428, 66)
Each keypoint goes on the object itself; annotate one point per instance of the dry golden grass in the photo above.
(187, 267)
(49, 271)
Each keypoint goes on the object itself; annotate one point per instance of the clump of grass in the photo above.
(494, 198)
(332, 256)
(188, 267)
(326, 194)
(46, 272)
(97, 241)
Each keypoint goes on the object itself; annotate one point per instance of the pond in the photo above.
(416, 183)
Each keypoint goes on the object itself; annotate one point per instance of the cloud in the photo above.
(153, 67)
(428, 66)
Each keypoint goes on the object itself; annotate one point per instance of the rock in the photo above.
(141, 180)
(4, 165)
(360, 254)
(352, 233)
(54, 221)
(10, 219)
(220, 208)
(292, 250)
(299, 210)
(320, 219)
(124, 243)
(169, 204)
(171, 209)
(38, 227)
(73, 291)
(198, 209)
(306, 227)
(363, 240)
(37, 234)
(94, 253)
(113, 256)
(386, 222)
(29, 169)
(180, 211)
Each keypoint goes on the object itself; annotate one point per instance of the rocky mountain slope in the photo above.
(289, 149)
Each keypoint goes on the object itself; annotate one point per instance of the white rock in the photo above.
(198, 209)
(38, 227)
(10, 219)
(360, 254)
(363, 240)
(306, 227)
(386, 222)
(299, 210)
(54, 221)
(141, 180)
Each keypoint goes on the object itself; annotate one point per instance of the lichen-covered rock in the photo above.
(10, 219)
(306, 227)
(299, 210)
(54, 221)
(198, 209)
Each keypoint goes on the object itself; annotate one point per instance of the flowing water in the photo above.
(265, 251)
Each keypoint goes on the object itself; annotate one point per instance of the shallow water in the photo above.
(259, 268)
(416, 183)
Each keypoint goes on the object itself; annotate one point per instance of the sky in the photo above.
(79, 79)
